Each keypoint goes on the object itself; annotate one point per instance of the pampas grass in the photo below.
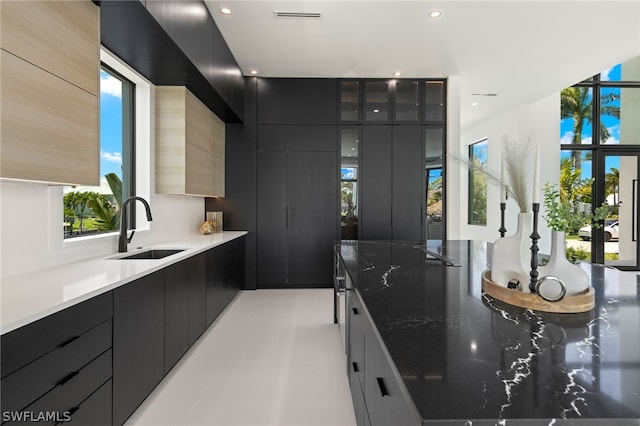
(517, 165)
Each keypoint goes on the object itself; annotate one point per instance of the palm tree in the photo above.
(108, 211)
(612, 183)
(576, 103)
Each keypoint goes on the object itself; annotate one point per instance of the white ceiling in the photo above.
(521, 50)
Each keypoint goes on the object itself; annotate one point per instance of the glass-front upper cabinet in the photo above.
(407, 101)
(376, 101)
(433, 104)
(350, 101)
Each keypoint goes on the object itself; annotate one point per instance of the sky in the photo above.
(110, 125)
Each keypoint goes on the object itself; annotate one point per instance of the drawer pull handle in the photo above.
(355, 311)
(355, 367)
(383, 388)
(67, 378)
(68, 342)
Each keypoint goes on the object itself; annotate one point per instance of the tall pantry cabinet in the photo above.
(296, 182)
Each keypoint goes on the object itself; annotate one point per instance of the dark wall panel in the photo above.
(375, 183)
(271, 262)
(408, 177)
(183, 22)
(297, 138)
(313, 220)
(297, 101)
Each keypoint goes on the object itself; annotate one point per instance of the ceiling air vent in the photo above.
(300, 15)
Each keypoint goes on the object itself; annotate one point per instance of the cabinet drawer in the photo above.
(64, 399)
(356, 322)
(95, 410)
(385, 401)
(359, 406)
(56, 368)
(30, 342)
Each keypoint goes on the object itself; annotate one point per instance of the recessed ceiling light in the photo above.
(474, 103)
(435, 14)
(376, 110)
(225, 11)
(397, 74)
(253, 72)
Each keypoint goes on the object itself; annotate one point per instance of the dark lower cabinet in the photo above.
(138, 342)
(185, 306)
(355, 357)
(196, 269)
(176, 313)
(95, 362)
(225, 276)
(375, 389)
(57, 364)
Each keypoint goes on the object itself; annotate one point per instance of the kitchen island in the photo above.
(454, 356)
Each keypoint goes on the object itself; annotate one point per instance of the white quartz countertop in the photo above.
(30, 297)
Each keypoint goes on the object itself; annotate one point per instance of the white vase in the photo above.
(511, 256)
(574, 278)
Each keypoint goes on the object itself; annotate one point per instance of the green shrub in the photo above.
(576, 254)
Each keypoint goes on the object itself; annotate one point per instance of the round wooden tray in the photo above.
(582, 302)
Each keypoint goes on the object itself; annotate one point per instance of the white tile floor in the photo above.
(274, 357)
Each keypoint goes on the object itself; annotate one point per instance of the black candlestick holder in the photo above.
(534, 250)
(502, 229)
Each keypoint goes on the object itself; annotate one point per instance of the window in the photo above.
(93, 210)
(478, 183)
(600, 141)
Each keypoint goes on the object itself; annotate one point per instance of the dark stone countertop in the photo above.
(468, 359)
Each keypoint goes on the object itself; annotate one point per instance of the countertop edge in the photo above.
(192, 245)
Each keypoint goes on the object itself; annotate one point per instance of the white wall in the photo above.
(31, 223)
(537, 122)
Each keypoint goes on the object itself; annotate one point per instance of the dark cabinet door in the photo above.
(375, 185)
(271, 238)
(138, 342)
(297, 101)
(215, 282)
(312, 222)
(407, 177)
(176, 314)
(197, 298)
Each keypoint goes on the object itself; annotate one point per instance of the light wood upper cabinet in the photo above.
(62, 37)
(189, 145)
(49, 87)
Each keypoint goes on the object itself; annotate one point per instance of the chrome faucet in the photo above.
(123, 240)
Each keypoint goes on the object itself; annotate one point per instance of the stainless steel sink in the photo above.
(150, 254)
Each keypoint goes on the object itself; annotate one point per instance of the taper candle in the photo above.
(536, 177)
(503, 185)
